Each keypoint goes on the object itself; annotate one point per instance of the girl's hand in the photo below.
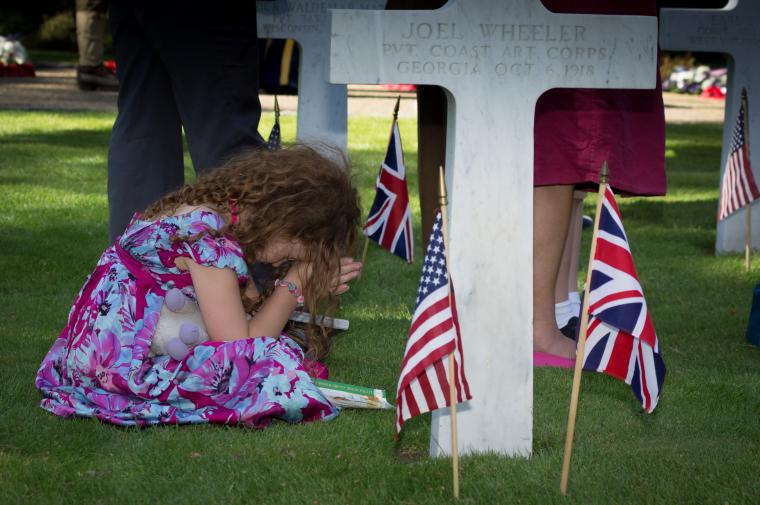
(349, 269)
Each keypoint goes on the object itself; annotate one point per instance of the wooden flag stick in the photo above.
(395, 116)
(364, 256)
(581, 340)
(444, 201)
(748, 210)
(747, 236)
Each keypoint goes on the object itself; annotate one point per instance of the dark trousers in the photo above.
(180, 64)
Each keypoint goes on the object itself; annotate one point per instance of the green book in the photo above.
(349, 395)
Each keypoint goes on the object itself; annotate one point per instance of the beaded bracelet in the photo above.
(293, 290)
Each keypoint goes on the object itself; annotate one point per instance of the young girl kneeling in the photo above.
(294, 209)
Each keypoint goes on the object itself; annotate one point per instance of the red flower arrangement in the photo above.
(16, 70)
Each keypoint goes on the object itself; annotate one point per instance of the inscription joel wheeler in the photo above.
(500, 49)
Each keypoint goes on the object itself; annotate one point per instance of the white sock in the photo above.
(563, 311)
(575, 300)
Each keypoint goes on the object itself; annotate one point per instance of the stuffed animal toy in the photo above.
(180, 326)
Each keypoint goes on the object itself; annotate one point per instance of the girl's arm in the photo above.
(222, 308)
(218, 299)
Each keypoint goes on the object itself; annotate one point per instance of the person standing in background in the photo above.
(181, 65)
(91, 21)
(575, 131)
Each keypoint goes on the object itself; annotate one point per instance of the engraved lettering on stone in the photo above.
(516, 50)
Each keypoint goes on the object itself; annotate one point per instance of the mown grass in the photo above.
(700, 446)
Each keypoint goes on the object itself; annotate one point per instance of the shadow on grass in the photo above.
(79, 138)
(699, 134)
(685, 156)
(669, 212)
(31, 159)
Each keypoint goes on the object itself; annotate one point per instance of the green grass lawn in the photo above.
(702, 444)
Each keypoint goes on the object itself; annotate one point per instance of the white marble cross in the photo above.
(494, 58)
(322, 107)
(732, 30)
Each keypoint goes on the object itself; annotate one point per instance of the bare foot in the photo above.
(552, 341)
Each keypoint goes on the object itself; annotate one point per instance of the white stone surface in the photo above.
(732, 30)
(322, 109)
(495, 58)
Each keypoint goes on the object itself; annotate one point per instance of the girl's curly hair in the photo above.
(297, 193)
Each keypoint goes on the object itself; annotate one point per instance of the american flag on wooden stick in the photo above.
(434, 334)
(738, 187)
(621, 340)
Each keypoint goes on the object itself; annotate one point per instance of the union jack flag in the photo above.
(738, 187)
(621, 340)
(433, 335)
(390, 219)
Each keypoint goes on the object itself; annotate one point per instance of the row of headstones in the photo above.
(322, 105)
(494, 58)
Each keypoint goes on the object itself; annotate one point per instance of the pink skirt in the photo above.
(576, 130)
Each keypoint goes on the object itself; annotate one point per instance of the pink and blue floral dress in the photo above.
(99, 366)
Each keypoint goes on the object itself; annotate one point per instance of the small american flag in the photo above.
(738, 187)
(390, 219)
(274, 142)
(434, 334)
(621, 340)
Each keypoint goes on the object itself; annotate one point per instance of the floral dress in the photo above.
(100, 366)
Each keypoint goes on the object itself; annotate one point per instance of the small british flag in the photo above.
(621, 340)
(390, 219)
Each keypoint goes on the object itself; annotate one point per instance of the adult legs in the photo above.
(211, 57)
(566, 298)
(562, 287)
(91, 21)
(551, 216)
(145, 159)
(563, 308)
(576, 229)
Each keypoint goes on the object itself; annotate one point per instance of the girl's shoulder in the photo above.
(191, 232)
(198, 218)
(188, 218)
(187, 223)
(189, 210)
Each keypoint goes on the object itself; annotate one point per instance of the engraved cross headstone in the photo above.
(494, 58)
(732, 30)
(322, 106)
